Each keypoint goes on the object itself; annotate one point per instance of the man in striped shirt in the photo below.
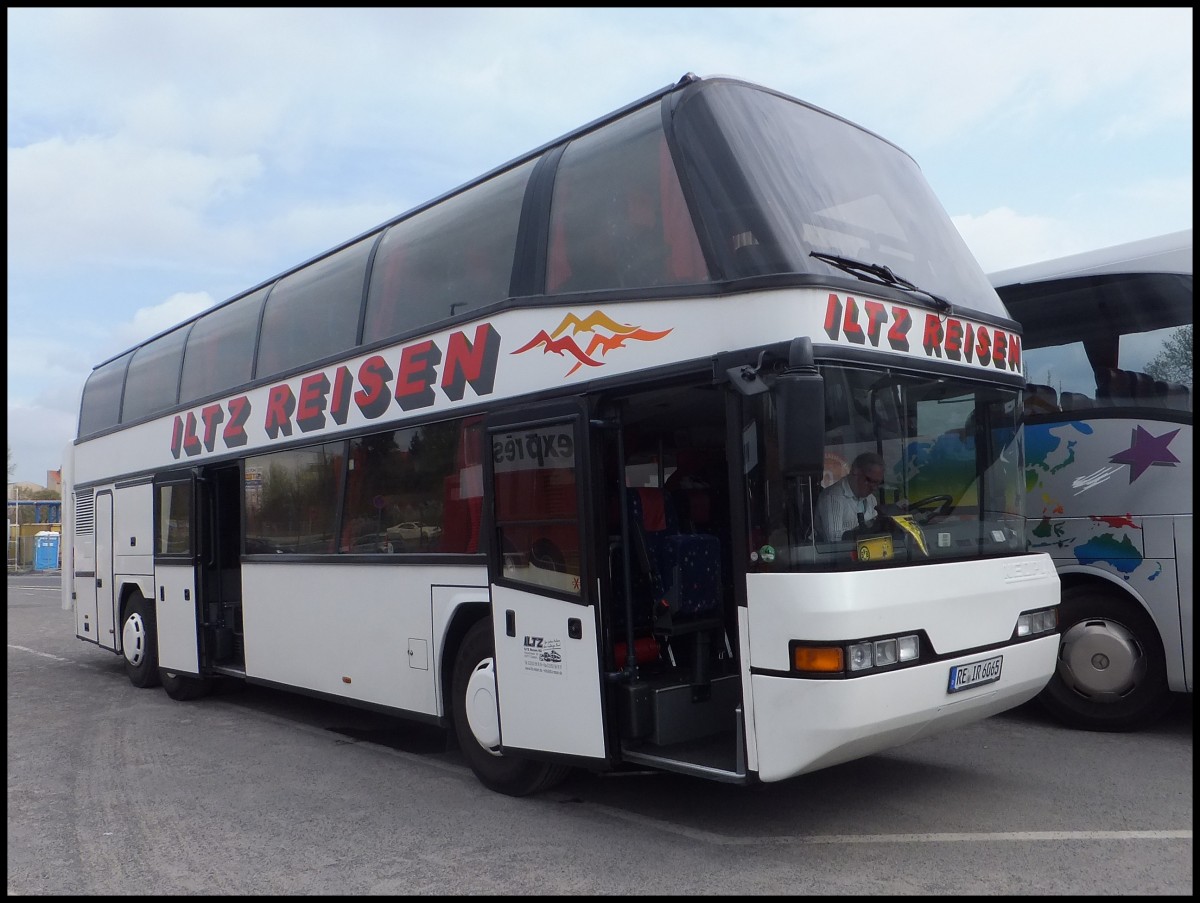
(850, 502)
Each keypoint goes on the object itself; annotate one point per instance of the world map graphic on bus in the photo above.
(1056, 465)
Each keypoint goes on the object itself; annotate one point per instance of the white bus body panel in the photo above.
(801, 725)
(748, 716)
(133, 518)
(548, 683)
(83, 580)
(175, 611)
(855, 718)
(102, 607)
(348, 630)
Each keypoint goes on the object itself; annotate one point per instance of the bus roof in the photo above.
(1169, 253)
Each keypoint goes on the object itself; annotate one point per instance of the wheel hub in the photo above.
(1101, 659)
(481, 704)
(133, 639)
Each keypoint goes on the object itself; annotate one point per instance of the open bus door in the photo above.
(197, 578)
(175, 550)
(543, 588)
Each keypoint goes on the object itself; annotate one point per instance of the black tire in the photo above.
(1112, 672)
(504, 774)
(139, 641)
(182, 687)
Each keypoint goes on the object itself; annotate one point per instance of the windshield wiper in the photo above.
(882, 274)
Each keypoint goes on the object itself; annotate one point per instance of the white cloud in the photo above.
(97, 201)
(148, 321)
(1002, 238)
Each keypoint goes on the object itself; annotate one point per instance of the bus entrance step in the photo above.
(662, 711)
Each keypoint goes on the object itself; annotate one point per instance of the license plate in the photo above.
(975, 673)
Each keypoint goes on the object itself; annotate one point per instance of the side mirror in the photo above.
(800, 403)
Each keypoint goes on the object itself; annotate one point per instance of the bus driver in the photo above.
(850, 502)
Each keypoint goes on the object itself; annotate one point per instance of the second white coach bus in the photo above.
(1108, 459)
(538, 461)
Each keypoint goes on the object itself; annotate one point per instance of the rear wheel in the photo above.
(139, 641)
(477, 722)
(1112, 673)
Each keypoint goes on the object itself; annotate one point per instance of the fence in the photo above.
(22, 545)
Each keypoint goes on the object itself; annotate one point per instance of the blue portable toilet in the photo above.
(45, 551)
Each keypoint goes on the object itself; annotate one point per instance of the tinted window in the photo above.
(536, 505)
(450, 258)
(173, 535)
(100, 408)
(782, 180)
(415, 490)
(292, 499)
(153, 380)
(1115, 340)
(313, 313)
(220, 349)
(618, 217)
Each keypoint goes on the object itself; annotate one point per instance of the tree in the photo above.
(12, 465)
(1173, 363)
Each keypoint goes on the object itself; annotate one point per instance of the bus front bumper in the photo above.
(817, 723)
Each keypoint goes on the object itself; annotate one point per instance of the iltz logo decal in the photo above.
(606, 335)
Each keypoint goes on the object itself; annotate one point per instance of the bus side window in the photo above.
(313, 312)
(447, 259)
(1143, 389)
(685, 259)
(1176, 396)
(618, 218)
(1040, 399)
(1077, 401)
(1114, 386)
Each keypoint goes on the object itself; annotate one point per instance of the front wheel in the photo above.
(476, 717)
(1111, 673)
(139, 642)
(182, 687)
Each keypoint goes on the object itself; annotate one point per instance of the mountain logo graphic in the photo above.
(606, 335)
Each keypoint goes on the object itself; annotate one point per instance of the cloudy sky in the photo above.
(163, 160)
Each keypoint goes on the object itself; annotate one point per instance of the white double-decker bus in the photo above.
(1108, 457)
(537, 462)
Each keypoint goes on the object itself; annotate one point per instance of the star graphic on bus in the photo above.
(1146, 450)
(606, 335)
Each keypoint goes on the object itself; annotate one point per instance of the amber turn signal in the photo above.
(824, 659)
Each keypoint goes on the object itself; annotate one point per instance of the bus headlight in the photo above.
(881, 653)
(861, 657)
(1031, 623)
(811, 658)
(885, 652)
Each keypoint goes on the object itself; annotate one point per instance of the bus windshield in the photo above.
(793, 189)
(949, 457)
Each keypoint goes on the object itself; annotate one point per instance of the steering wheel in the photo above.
(932, 506)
